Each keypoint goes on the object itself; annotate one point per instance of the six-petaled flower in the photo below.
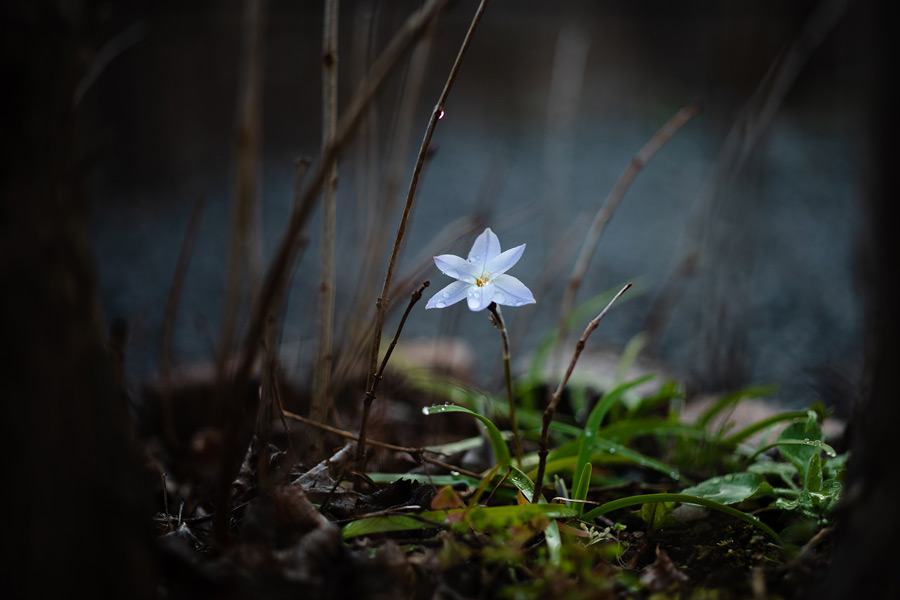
(482, 279)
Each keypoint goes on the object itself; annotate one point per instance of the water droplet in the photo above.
(499, 298)
(612, 450)
(441, 114)
(805, 440)
(440, 304)
(426, 411)
(446, 294)
(674, 475)
(454, 473)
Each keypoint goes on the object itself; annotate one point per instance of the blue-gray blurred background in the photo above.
(742, 230)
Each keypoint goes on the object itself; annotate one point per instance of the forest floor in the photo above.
(288, 537)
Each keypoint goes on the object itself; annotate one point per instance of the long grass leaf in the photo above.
(684, 499)
(481, 518)
(588, 441)
(501, 451)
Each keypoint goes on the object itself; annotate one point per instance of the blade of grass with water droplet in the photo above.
(501, 451)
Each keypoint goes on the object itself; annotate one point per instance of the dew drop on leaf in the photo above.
(441, 304)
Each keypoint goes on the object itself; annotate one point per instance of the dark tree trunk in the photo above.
(78, 524)
(868, 536)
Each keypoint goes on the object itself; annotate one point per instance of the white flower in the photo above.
(482, 278)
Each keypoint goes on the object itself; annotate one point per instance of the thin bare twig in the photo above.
(417, 452)
(605, 213)
(381, 304)
(554, 400)
(321, 397)
(376, 378)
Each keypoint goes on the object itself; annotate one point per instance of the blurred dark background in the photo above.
(551, 104)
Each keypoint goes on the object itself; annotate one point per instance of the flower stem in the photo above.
(497, 320)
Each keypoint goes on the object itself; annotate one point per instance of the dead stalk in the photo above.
(416, 452)
(382, 302)
(603, 216)
(321, 398)
(243, 266)
(554, 400)
(376, 378)
(244, 248)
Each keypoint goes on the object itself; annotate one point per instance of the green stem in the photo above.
(497, 320)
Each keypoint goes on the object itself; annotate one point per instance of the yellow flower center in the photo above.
(481, 282)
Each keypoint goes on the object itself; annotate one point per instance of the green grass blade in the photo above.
(501, 451)
(482, 518)
(629, 355)
(684, 499)
(743, 434)
(731, 399)
(622, 431)
(522, 482)
(588, 438)
(580, 493)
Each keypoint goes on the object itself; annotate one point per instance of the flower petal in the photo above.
(451, 294)
(505, 261)
(509, 291)
(457, 267)
(486, 247)
(480, 298)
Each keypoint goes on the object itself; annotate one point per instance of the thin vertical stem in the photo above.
(497, 320)
(321, 400)
(244, 250)
(376, 378)
(554, 400)
(381, 303)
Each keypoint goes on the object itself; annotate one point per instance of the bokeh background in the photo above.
(743, 231)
